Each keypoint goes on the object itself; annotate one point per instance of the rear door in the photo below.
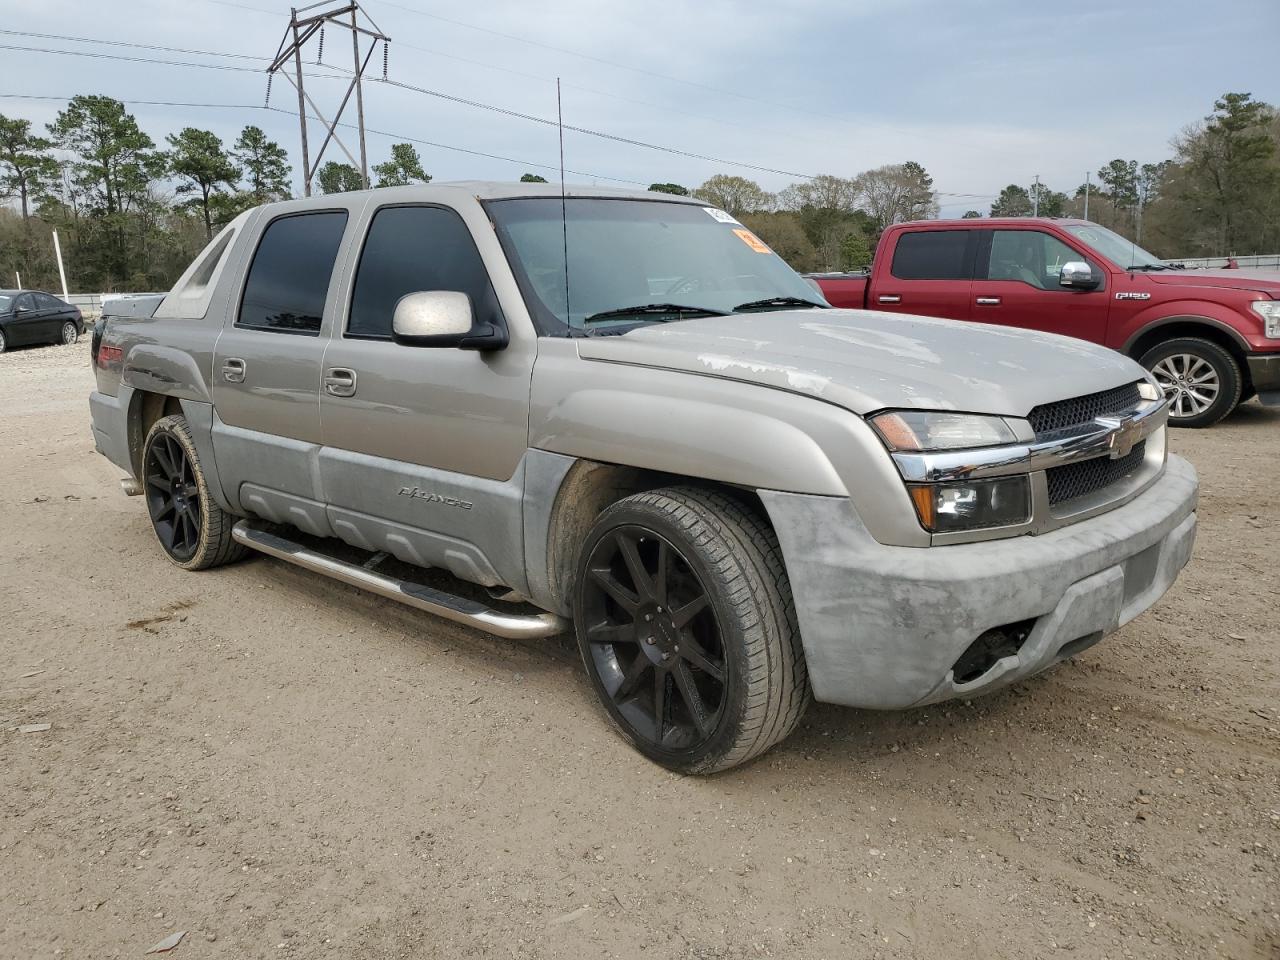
(55, 314)
(266, 370)
(930, 273)
(1018, 285)
(423, 445)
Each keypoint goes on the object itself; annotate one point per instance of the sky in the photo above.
(983, 93)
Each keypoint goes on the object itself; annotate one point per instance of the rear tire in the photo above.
(1201, 379)
(3, 343)
(687, 628)
(70, 334)
(193, 530)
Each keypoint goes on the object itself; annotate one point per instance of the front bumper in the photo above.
(1264, 372)
(882, 626)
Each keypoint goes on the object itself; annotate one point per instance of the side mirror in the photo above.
(1078, 275)
(442, 318)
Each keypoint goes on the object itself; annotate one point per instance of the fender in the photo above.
(1184, 311)
(727, 431)
(170, 371)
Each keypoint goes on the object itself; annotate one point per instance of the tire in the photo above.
(741, 683)
(193, 530)
(3, 342)
(1202, 380)
(70, 334)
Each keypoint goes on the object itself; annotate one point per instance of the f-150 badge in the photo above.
(1132, 295)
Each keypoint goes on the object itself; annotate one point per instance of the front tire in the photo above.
(1202, 380)
(193, 530)
(685, 622)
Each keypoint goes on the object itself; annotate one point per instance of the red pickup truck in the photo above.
(1210, 337)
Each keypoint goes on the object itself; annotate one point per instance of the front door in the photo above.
(930, 274)
(423, 446)
(1018, 286)
(28, 323)
(266, 372)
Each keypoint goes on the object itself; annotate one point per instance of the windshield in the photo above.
(639, 261)
(1124, 253)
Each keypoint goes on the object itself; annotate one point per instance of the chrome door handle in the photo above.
(233, 370)
(988, 301)
(889, 298)
(340, 382)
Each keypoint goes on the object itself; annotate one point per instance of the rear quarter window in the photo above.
(931, 255)
(288, 280)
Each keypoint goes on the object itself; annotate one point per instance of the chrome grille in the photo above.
(1049, 418)
(1074, 480)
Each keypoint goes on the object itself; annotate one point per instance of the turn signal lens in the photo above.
(920, 430)
(972, 504)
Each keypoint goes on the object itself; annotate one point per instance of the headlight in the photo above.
(972, 504)
(1269, 311)
(920, 430)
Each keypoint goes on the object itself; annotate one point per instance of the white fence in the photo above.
(1269, 261)
(90, 304)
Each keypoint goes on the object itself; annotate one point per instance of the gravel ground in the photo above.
(281, 766)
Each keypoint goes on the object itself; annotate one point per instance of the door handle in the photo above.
(233, 370)
(988, 301)
(340, 382)
(889, 298)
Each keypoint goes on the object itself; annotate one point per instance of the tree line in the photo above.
(131, 214)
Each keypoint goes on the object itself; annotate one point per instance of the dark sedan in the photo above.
(33, 316)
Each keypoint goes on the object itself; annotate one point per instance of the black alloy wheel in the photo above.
(653, 638)
(173, 496)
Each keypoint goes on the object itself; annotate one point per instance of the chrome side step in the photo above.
(509, 625)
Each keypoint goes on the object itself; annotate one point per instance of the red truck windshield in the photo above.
(1124, 253)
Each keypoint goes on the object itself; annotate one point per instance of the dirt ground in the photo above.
(284, 767)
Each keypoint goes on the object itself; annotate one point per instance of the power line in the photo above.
(125, 43)
(587, 131)
(398, 137)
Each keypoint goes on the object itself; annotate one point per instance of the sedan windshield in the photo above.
(1124, 253)
(637, 262)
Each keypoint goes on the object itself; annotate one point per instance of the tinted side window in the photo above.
(25, 302)
(46, 302)
(411, 249)
(932, 255)
(289, 278)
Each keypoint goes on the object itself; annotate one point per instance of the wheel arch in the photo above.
(145, 408)
(586, 489)
(1188, 325)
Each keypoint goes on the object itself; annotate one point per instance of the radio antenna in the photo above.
(564, 216)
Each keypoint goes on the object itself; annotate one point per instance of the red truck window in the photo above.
(1030, 256)
(932, 255)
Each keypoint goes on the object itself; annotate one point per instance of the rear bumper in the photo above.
(883, 626)
(109, 419)
(1264, 372)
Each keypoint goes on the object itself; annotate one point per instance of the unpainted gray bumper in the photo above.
(882, 626)
(1264, 374)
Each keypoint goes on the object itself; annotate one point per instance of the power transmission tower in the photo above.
(346, 17)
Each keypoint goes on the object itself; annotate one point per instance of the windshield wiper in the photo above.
(649, 309)
(1147, 266)
(778, 302)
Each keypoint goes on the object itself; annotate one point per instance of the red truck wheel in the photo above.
(1201, 379)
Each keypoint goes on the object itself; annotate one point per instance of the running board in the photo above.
(512, 626)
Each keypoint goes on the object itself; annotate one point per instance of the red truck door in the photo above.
(1018, 285)
(928, 272)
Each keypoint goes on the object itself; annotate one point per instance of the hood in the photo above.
(866, 360)
(1263, 282)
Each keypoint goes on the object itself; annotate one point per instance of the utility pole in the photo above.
(1086, 194)
(1035, 198)
(62, 274)
(304, 25)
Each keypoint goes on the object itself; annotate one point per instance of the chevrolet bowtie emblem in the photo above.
(1124, 435)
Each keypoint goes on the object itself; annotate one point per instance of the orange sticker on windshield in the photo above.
(752, 241)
